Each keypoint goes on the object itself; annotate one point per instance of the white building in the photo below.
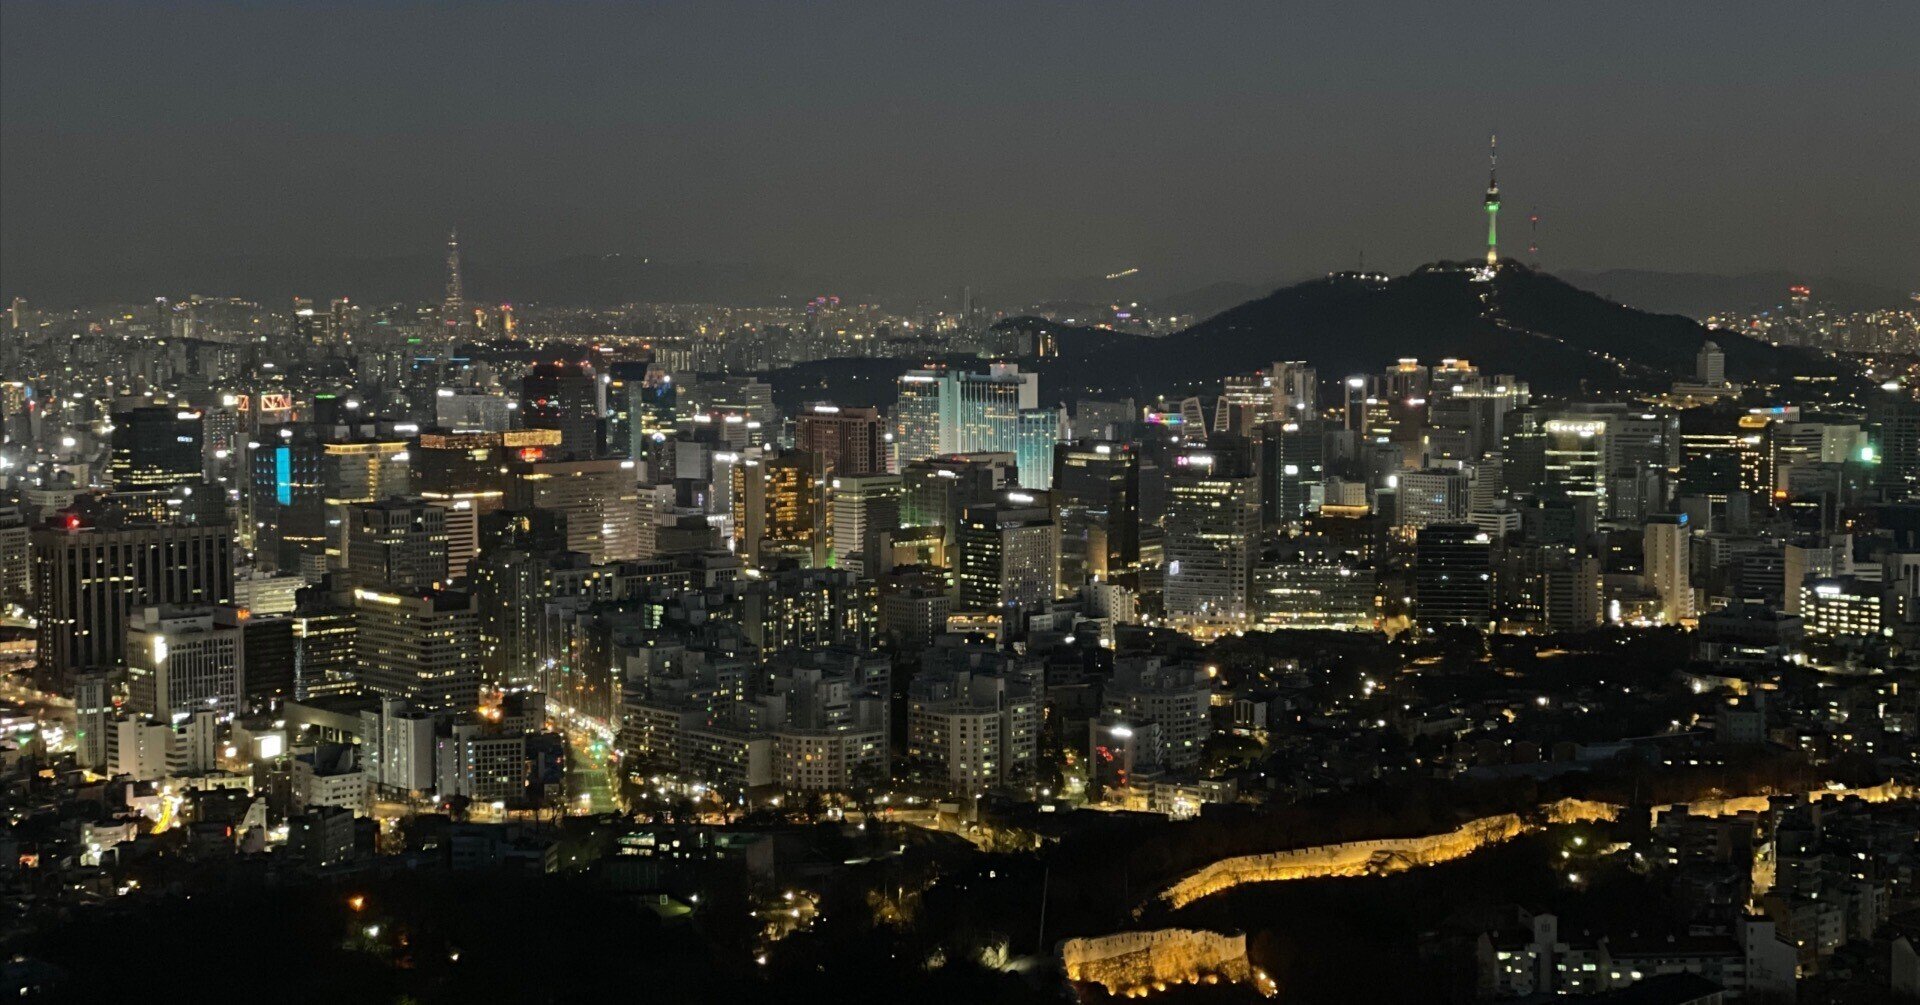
(1434, 495)
(331, 775)
(974, 731)
(1178, 699)
(1667, 553)
(179, 661)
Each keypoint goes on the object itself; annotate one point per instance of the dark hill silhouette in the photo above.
(1699, 294)
(1523, 322)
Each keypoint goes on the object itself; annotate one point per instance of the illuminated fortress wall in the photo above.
(1377, 857)
(1885, 792)
(1390, 855)
(1133, 962)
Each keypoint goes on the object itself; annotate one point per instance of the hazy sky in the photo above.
(964, 141)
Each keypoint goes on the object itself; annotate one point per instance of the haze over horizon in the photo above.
(929, 147)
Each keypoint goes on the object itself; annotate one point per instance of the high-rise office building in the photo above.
(323, 642)
(1433, 495)
(1292, 468)
(915, 418)
(864, 508)
(93, 717)
(651, 408)
(397, 543)
(1096, 500)
(16, 556)
(475, 466)
(1809, 559)
(182, 660)
(750, 398)
(618, 397)
(420, 645)
(846, 441)
(1246, 401)
(1007, 554)
(89, 579)
(601, 500)
(472, 410)
(1453, 576)
(156, 447)
(1667, 556)
(1552, 585)
(1295, 387)
(284, 500)
(565, 395)
(779, 510)
(998, 411)
(1710, 364)
(1576, 458)
(934, 490)
(1212, 539)
(1895, 441)
(268, 657)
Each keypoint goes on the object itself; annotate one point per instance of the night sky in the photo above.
(956, 142)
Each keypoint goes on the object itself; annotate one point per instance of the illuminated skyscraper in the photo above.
(1666, 555)
(934, 490)
(420, 645)
(565, 395)
(88, 580)
(453, 311)
(1433, 495)
(1710, 364)
(998, 411)
(1007, 554)
(1212, 539)
(864, 507)
(1453, 576)
(601, 501)
(779, 510)
(1096, 499)
(180, 661)
(156, 448)
(396, 543)
(847, 441)
(1296, 392)
(1292, 467)
(1576, 452)
(916, 418)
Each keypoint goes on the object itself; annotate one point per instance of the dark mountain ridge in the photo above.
(1698, 295)
(1522, 321)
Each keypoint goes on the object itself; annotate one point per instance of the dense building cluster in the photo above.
(344, 587)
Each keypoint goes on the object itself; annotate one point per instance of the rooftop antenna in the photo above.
(1533, 235)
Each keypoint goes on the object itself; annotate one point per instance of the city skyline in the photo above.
(868, 503)
(922, 150)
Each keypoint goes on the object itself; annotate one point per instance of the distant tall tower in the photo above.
(1493, 201)
(454, 310)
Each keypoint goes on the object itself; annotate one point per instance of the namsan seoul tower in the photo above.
(1493, 201)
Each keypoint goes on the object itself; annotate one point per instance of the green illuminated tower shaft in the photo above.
(1493, 202)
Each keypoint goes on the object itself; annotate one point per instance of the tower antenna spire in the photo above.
(1493, 200)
